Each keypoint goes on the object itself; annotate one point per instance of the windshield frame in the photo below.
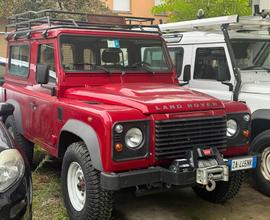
(115, 71)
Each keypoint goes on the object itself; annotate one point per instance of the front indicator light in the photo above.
(118, 147)
(246, 133)
(11, 168)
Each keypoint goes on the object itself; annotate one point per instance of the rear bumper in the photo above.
(117, 181)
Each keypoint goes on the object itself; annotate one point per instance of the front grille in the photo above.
(175, 138)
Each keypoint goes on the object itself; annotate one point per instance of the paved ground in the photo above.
(178, 204)
(183, 204)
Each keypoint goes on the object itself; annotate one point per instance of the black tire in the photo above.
(25, 145)
(98, 202)
(259, 145)
(224, 191)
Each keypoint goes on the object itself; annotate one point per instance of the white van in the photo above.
(229, 59)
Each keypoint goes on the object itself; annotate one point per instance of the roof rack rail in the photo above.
(44, 20)
(233, 22)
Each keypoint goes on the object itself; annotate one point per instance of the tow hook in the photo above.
(211, 185)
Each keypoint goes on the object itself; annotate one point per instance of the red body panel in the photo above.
(113, 98)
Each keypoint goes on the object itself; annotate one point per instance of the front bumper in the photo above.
(15, 203)
(117, 181)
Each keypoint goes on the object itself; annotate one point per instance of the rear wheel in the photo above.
(261, 175)
(26, 146)
(83, 196)
(224, 190)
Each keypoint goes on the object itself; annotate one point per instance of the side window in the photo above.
(19, 60)
(211, 62)
(174, 51)
(153, 56)
(46, 56)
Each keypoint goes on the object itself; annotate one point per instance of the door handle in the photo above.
(33, 105)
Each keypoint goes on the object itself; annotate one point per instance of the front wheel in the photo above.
(261, 175)
(83, 196)
(224, 191)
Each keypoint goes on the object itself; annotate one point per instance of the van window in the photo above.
(174, 51)
(211, 62)
(19, 60)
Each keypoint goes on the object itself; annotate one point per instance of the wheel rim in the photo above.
(265, 163)
(76, 186)
(11, 132)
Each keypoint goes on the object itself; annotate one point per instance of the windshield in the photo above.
(252, 54)
(98, 54)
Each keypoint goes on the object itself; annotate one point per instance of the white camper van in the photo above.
(230, 59)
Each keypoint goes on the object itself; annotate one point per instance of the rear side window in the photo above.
(19, 60)
(210, 62)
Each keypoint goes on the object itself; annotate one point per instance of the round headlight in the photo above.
(246, 117)
(134, 138)
(231, 127)
(11, 168)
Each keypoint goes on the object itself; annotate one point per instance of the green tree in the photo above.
(16, 6)
(187, 9)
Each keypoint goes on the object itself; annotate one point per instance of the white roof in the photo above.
(203, 37)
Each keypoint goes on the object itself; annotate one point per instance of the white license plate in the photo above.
(242, 163)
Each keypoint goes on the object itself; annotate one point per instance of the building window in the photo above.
(121, 5)
(158, 2)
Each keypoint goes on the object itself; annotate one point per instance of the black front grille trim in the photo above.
(176, 138)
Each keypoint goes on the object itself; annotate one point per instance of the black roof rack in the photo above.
(27, 22)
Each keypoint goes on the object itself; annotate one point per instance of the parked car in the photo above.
(114, 114)
(15, 175)
(230, 61)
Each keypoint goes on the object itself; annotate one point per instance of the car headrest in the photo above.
(111, 55)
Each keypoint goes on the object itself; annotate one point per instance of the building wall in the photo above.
(264, 4)
(3, 42)
(138, 8)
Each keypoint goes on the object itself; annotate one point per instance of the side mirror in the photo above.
(42, 74)
(187, 73)
(178, 64)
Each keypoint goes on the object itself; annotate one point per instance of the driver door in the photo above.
(208, 61)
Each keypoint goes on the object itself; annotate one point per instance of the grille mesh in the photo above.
(174, 138)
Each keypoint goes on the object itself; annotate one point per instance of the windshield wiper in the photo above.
(145, 66)
(94, 66)
(101, 68)
(254, 67)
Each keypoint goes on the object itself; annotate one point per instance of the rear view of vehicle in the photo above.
(105, 99)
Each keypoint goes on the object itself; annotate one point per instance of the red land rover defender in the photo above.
(103, 96)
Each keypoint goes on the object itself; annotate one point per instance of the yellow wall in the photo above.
(3, 42)
(139, 8)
